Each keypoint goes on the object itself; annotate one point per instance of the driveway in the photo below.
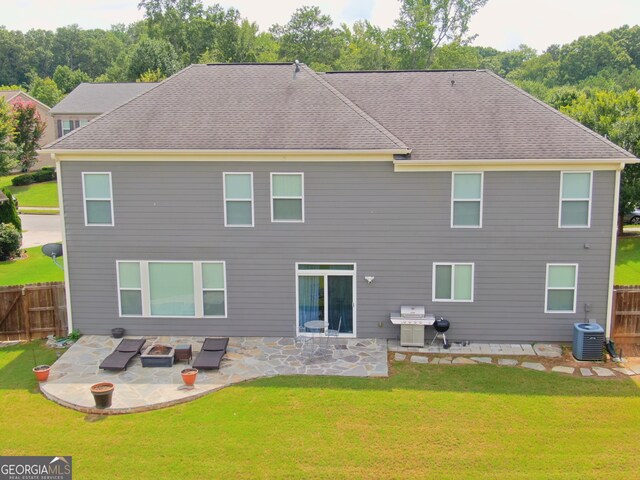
(40, 229)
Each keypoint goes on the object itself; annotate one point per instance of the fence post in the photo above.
(24, 308)
(614, 312)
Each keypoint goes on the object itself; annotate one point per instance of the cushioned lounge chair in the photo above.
(210, 357)
(122, 355)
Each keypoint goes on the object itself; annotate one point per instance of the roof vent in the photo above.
(453, 80)
(295, 72)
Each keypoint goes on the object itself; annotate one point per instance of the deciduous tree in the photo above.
(7, 147)
(28, 130)
(424, 25)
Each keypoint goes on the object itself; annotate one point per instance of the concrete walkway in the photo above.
(470, 349)
(141, 389)
(40, 229)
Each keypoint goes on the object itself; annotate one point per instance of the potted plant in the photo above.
(102, 394)
(117, 332)
(189, 376)
(42, 372)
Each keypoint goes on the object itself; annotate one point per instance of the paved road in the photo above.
(40, 229)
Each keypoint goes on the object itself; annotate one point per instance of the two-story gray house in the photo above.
(246, 200)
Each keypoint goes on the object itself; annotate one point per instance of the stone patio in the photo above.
(247, 358)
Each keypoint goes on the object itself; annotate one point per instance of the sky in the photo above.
(502, 24)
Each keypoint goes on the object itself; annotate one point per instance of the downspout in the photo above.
(612, 254)
(65, 250)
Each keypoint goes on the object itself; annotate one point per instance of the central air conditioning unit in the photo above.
(588, 341)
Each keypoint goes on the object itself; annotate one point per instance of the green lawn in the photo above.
(628, 261)
(425, 421)
(35, 195)
(34, 269)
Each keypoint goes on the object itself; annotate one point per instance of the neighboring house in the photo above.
(249, 199)
(15, 96)
(88, 100)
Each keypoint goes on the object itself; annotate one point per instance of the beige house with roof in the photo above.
(89, 100)
(15, 96)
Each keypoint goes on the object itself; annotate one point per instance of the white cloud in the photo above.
(24, 15)
(502, 24)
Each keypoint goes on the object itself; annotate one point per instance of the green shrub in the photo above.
(9, 212)
(45, 175)
(20, 180)
(10, 241)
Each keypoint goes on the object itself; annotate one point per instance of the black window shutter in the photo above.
(59, 122)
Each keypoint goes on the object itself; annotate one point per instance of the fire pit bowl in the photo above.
(158, 356)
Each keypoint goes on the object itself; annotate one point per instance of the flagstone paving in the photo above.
(138, 388)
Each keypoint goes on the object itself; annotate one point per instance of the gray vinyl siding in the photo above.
(392, 225)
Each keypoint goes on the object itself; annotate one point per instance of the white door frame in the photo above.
(326, 274)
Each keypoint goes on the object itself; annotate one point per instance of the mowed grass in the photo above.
(35, 195)
(36, 268)
(628, 261)
(425, 421)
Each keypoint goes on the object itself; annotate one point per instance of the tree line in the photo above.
(595, 79)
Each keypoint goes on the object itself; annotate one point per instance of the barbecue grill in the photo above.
(441, 325)
(412, 320)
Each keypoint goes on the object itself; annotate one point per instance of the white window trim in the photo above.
(453, 281)
(223, 289)
(481, 199)
(72, 125)
(312, 273)
(547, 288)
(301, 197)
(85, 199)
(224, 193)
(198, 288)
(588, 225)
(120, 289)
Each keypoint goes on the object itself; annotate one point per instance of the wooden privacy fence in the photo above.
(625, 321)
(33, 311)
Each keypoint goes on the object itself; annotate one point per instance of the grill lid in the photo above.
(412, 312)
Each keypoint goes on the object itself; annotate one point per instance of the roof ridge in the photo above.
(118, 83)
(435, 70)
(378, 126)
(99, 117)
(26, 94)
(567, 118)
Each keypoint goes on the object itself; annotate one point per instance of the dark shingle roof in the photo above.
(262, 107)
(98, 98)
(481, 116)
(236, 107)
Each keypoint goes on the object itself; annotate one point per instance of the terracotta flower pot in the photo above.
(102, 394)
(42, 372)
(189, 376)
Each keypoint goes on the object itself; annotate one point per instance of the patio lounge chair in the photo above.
(124, 352)
(213, 349)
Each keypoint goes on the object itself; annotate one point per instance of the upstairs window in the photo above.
(238, 199)
(575, 199)
(98, 201)
(67, 126)
(287, 197)
(466, 203)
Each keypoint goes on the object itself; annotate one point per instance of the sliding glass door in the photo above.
(326, 295)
